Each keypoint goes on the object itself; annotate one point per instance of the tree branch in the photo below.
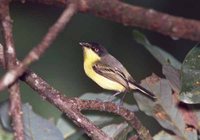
(10, 62)
(37, 51)
(136, 16)
(67, 106)
(55, 97)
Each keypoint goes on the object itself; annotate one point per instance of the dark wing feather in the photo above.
(112, 61)
(111, 73)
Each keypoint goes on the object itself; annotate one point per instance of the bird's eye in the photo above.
(96, 50)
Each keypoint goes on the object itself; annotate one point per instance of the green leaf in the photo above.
(35, 127)
(190, 77)
(160, 55)
(173, 75)
(165, 109)
(38, 128)
(4, 117)
(4, 135)
(66, 128)
(117, 131)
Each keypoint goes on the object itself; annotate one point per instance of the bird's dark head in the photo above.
(95, 47)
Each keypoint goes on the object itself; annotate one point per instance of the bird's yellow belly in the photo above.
(102, 81)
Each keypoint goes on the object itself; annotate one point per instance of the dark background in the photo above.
(62, 66)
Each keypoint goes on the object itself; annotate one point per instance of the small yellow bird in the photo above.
(107, 71)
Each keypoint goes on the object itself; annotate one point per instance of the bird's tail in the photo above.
(146, 92)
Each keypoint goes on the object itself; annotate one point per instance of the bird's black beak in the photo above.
(81, 44)
(84, 44)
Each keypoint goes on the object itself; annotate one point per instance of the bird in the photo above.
(105, 70)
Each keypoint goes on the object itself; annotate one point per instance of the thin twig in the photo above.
(37, 51)
(10, 62)
(130, 15)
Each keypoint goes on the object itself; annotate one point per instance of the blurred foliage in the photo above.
(167, 109)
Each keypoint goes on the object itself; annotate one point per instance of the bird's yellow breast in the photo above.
(90, 58)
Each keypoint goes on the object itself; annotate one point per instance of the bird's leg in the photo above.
(122, 99)
(127, 89)
(112, 97)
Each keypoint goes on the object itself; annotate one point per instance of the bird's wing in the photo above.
(112, 69)
(111, 73)
(112, 61)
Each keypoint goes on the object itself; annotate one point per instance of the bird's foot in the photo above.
(112, 97)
